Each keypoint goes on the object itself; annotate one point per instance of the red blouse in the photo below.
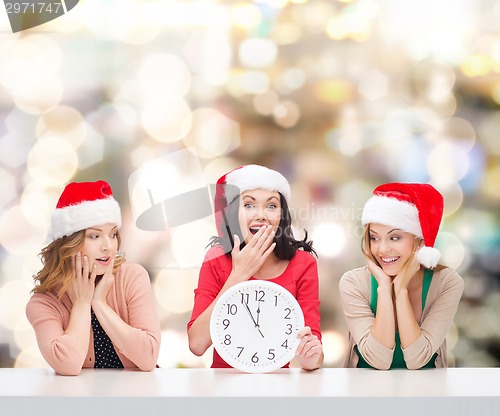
(300, 278)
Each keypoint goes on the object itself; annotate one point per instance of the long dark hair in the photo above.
(286, 244)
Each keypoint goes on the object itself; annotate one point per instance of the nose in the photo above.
(106, 244)
(383, 246)
(260, 213)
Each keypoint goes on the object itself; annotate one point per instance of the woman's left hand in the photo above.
(404, 277)
(310, 350)
(104, 285)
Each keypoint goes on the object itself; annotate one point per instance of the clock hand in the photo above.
(250, 313)
(258, 314)
(251, 316)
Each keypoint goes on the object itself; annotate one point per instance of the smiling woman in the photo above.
(400, 306)
(89, 307)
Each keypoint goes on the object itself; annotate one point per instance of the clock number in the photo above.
(227, 339)
(259, 295)
(288, 312)
(275, 300)
(241, 350)
(289, 330)
(271, 354)
(255, 359)
(285, 344)
(232, 309)
(226, 323)
(244, 298)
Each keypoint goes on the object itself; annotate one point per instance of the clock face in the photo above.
(254, 326)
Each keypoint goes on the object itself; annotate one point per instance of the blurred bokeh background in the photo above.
(161, 97)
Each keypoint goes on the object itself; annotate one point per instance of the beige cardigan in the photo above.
(441, 305)
(130, 297)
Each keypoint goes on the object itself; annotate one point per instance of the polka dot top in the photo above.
(105, 354)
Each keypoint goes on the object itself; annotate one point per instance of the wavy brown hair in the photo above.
(57, 271)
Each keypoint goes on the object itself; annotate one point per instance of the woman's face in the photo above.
(391, 246)
(258, 208)
(100, 246)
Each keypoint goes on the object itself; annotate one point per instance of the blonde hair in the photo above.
(57, 272)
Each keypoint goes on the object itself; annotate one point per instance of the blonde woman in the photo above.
(400, 306)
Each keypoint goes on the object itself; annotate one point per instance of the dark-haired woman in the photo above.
(255, 241)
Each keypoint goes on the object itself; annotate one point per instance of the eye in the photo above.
(271, 207)
(114, 235)
(92, 236)
(373, 238)
(248, 205)
(395, 237)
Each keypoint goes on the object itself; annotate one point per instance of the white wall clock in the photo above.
(254, 326)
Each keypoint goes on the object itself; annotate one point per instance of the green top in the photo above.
(398, 360)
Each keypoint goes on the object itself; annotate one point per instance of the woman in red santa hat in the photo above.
(255, 241)
(400, 306)
(89, 307)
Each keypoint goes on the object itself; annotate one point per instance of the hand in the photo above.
(251, 316)
(380, 276)
(309, 350)
(258, 313)
(81, 289)
(407, 273)
(104, 286)
(248, 261)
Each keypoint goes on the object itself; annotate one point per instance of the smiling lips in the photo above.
(389, 260)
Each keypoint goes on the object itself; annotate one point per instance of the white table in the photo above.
(332, 391)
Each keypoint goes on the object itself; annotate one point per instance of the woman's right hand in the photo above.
(248, 261)
(82, 287)
(380, 276)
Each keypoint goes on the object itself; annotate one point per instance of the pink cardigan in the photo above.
(130, 297)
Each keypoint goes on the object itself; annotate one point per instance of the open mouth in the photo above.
(389, 260)
(103, 260)
(255, 229)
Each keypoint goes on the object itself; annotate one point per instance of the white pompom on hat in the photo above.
(83, 205)
(412, 207)
(246, 178)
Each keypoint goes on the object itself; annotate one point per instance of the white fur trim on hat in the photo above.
(428, 256)
(73, 218)
(251, 177)
(392, 212)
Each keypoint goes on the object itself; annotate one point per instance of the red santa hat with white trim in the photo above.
(83, 205)
(413, 207)
(245, 178)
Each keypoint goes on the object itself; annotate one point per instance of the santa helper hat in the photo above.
(246, 178)
(412, 207)
(83, 205)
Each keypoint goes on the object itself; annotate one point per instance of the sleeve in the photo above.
(354, 296)
(437, 321)
(308, 295)
(142, 345)
(212, 277)
(60, 350)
